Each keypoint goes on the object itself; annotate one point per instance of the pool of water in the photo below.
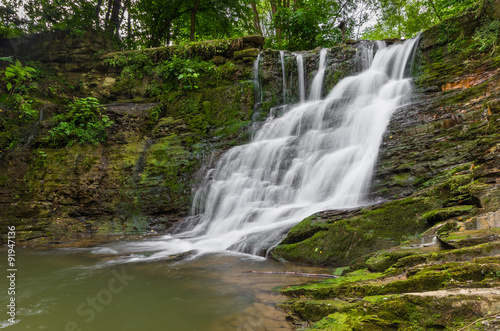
(104, 288)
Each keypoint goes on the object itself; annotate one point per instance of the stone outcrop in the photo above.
(164, 132)
(439, 156)
(426, 256)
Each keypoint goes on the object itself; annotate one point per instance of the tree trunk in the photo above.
(97, 12)
(114, 21)
(193, 19)
(121, 19)
(256, 19)
(129, 29)
(342, 27)
(106, 19)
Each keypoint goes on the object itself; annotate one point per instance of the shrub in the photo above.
(82, 123)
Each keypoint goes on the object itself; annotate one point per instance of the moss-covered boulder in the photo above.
(249, 52)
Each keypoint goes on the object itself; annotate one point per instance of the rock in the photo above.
(257, 40)
(466, 238)
(108, 82)
(73, 67)
(218, 60)
(484, 221)
(249, 52)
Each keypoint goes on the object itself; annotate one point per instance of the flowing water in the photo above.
(282, 60)
(87, 290)
(318, 155)
(302, 85)
(317, 83)
(256, 84)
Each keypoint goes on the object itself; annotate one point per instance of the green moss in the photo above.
(339, 242)
(384, 260)
(250, 52)
(439, 215)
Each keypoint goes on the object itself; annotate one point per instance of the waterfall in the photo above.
(257, 87)
(282, 60)
(319, 155)
(34, 128)
(300, 69)
(317, 83)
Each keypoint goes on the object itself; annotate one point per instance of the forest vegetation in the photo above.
(292, 25)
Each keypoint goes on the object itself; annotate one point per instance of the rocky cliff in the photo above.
(174, 111)
(425, 256)
(165, 129)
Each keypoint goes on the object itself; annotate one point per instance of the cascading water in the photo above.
(300, 69)
(257, 87)
(317, 83)
(319, 155)
(282, 60)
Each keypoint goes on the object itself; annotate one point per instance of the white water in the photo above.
(319, 155)
(317, 83)
(257, 86)
(300, 69)
(282, 60)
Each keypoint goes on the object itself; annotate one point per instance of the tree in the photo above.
(406, 18)
(305, 24)
(10, 20)
(162, 22)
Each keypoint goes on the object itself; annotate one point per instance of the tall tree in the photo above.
(256, 19)
(114, 20)
(406, 18)
(193, 19)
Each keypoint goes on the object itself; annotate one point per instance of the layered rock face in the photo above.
(426, 255)
(439, 157)
(164, 131)
(167, 131)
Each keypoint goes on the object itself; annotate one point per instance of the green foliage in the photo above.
(16, 74)
(146, 74)
(301, 26)
(185, 70)
(23, 107)
(84, 122)
(43, 15)
(488, 35)
(404, 18)
(162, 22)
(11, 22)
(40, 159)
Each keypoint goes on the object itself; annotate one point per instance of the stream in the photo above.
(102, 288)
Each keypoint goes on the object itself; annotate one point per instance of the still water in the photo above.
(103, 288)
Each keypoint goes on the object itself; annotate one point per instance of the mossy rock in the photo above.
(439, 215)
(249, 52)
(340, 241)
(383, 260)
(460, 239)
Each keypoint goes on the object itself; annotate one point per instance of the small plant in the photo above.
(16, 74)
(40, 159)
(188, 75)
(83, 122)
(23, 107)
(184, 70)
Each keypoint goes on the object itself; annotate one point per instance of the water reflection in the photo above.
(85, 289)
